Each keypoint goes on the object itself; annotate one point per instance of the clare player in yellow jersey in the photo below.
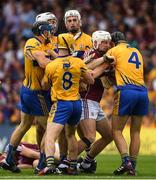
(51, 18)
(35, 102)
(130, 101)
(51, 52)
(64, 73)
(73, 25)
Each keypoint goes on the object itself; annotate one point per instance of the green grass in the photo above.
(146, 169)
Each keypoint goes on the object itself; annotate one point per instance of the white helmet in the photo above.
(100, 36)
(45, 16)
(72, 13)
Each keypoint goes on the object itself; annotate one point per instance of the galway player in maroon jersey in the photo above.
(27, 155)
(93, 118)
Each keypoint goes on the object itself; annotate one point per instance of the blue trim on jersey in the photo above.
(132, 86)
(63, 56)
(78, 54)
(68, 112)
(35, 102)
(56, 50)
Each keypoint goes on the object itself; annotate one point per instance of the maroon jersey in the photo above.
(94, 92)
(25, 160)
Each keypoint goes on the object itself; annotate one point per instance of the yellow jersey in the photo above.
(33, 72)
(129, 65)
(64, 74)
(82, 42)
(53, 43)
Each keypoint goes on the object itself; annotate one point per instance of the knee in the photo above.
(116, 133)
(90, 137)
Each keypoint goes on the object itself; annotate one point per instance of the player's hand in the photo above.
(88, 58)
(24, 150)
(52, 53)
(83, 87)
(108, 59)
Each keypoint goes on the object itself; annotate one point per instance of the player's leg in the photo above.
(71, 160)
(58, 116)
(135, 138)
(63, 144)
(140, 109)
(24, 126)
(26, 122)
(72, 141)
(118, 125)
(87, 125)
(103, 126)
(53, 131)
(124, 101)
(43, 107)
(41, 123)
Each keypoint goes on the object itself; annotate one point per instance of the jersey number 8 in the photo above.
(67, 83)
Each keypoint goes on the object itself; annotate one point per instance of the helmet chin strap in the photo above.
(46, 38)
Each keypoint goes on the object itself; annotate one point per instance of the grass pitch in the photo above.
(106, 164)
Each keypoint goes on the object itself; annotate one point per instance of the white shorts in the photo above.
(92, 110)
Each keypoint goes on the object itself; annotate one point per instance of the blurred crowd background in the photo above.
(137, 19)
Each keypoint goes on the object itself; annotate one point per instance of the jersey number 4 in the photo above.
(67, 83)
(134, 59)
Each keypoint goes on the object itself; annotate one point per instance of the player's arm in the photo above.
(86, 74)
(106, 59)
(33, 51)
(40, 57)
(88, 77)
(98, 71)
(46, 81)
(30, 153)
(52, 53)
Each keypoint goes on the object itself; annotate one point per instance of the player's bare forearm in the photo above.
(83, 86)
(41, 59)
(27, 152)
(88, 78)
(52, 53)
(96, 62)
(102, 60)
(98, 71)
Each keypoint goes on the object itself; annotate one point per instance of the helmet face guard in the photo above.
(40, 27)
